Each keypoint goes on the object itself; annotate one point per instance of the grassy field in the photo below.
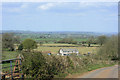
(51, 40)
(7, 65)
(9, 55)
(54, 50)
(58, 44)
(92, 45)
(64, 44)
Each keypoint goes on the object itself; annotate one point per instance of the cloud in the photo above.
(46, 6)
(77, 5)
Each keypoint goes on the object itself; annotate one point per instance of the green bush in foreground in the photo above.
(39, 66)
(36, 66)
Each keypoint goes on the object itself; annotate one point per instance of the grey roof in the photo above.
(68, 49)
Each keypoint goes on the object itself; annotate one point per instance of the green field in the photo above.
(9, 55)
(62, 45)
(51, 40)
(55, 50)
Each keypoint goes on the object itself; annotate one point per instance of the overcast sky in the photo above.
(79, 16)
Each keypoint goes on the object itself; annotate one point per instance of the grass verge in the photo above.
(78, 72)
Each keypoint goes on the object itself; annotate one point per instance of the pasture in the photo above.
(61, 45)
(54, 48)
(9, 55)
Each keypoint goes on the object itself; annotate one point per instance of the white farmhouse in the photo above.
(67, 51)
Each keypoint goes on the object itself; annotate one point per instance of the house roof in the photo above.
(68, 49)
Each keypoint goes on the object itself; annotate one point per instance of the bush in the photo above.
(37, 66)
(110, 49)
(70, 63)
(34, 66)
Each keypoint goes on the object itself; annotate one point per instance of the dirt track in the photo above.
(107, 72)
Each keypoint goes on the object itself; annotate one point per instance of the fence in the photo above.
(13, 74)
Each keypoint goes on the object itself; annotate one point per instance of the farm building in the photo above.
(68, 51)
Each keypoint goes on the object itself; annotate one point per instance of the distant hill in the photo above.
(54, 36)
(59, 32)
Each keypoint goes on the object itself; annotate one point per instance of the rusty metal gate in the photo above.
(15, 71)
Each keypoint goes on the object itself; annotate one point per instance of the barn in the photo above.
(68, 51)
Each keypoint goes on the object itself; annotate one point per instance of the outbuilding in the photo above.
(68, 51)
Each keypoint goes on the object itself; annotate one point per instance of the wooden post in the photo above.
(15, 67)
(11, 70)
(20, 64)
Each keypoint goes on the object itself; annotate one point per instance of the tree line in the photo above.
(9, 39)
(92, 40)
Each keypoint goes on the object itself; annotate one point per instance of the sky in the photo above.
(60, 16)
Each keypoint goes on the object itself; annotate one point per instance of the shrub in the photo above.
(37, 66)
(110, 49)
